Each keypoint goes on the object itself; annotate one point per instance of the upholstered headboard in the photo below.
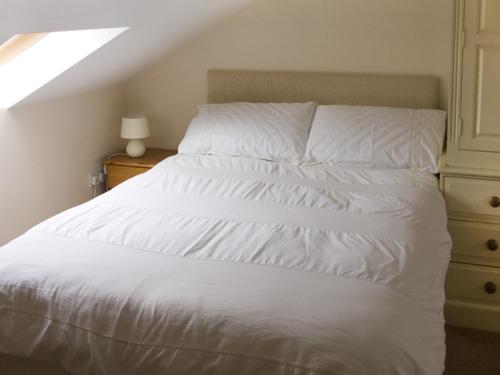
(411, 91)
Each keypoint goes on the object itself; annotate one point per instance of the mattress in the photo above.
(227, 265)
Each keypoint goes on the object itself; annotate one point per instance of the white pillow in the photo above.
(377, 136)
(271, 131)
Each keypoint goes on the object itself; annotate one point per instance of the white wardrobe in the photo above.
(470, 170)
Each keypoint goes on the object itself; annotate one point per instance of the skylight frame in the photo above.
(17, 44)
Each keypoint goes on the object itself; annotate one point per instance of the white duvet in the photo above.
(226, 265)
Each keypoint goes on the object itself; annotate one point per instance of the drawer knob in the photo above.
(490, 287)
(494, 201)
(492, 245)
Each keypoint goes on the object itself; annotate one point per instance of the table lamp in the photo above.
(135, 129)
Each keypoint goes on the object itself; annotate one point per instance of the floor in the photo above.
(471, 352)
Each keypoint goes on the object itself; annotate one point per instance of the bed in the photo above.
(213, 264)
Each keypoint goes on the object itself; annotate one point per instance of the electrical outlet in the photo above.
(102, 177)
(96, 178)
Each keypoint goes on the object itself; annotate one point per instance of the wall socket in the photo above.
(96, 178)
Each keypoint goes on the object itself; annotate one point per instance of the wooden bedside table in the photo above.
(473, 205)
(120, 168)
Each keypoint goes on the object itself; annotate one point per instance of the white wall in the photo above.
(382, 36)
(46, 151)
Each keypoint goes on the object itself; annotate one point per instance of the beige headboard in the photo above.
(411, 91)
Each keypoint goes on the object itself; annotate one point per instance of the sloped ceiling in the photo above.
(156, 27)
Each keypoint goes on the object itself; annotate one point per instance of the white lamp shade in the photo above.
(135, 128)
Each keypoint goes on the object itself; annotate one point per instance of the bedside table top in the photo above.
(152, 157)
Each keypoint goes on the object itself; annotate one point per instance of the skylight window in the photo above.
(29, 61)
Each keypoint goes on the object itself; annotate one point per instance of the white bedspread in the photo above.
(225, 265)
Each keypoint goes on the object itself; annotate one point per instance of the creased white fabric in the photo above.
(270, 131)
(226, 265)
(381, 137)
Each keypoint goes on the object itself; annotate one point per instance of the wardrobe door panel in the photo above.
(480, 110)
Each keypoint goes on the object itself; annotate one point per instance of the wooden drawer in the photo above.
(470, 242)
(471, 196)
(467, 282)
(117, 174)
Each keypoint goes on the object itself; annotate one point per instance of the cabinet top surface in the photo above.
(474, 172)
(152, 157)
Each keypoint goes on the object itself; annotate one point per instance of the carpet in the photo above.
(471, 352)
